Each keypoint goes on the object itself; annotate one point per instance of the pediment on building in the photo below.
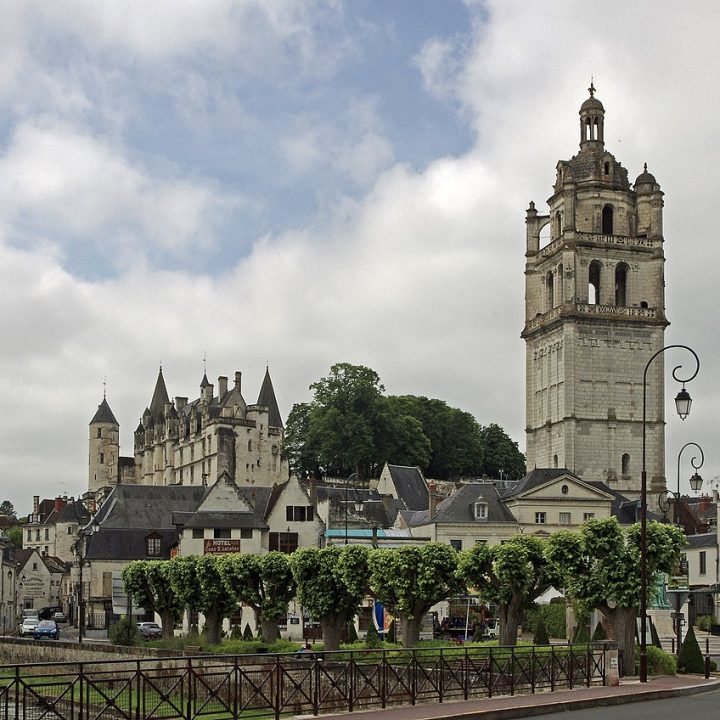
(557, 485)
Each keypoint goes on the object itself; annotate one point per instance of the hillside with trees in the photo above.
(350, 425)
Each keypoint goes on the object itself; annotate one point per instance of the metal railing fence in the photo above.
(251, 686)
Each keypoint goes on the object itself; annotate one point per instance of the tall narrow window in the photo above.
(550, 291)
(625, 464)
(607, 168)
(621, 284)
(558, 224)
(607, 220)
(594, 282)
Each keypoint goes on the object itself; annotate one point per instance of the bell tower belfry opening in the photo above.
(594, 315)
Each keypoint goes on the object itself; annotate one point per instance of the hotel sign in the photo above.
(221, 547)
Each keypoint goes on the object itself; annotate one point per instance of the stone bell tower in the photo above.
(594, 315)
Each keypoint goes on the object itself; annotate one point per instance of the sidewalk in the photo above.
(519, 706)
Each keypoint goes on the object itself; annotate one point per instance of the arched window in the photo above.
(625, 464)
(555, 461)
(621, 284)
(588, 129)
(607, 220)
(550, 291)
(594, 282)
(249, 445)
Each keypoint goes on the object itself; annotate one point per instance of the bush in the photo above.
(372, 639)
(553, 616)
(124, 632)
(659, 661)
(541, 636)
(247, 632)
(703, 622)
(352, 635)
(235, 632)
(690, 659)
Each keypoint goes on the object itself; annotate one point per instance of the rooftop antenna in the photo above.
(205, 362)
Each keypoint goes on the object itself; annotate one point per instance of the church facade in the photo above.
(183, 442)
(594, 316)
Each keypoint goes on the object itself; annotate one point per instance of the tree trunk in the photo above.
(270, 630)
(213, 627)
(167, 620)
(332, 629)
(620, 627)
(411, 630)
(509, 623)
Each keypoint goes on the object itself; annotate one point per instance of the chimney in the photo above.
(59, 504)
(36, 504)
(226, 451)
(238, 380)
(432, 497)
(222, 385)
(180, 402)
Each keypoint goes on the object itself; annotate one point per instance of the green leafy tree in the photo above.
(541, 635)
(7, 508)
(600, 568)
(14, 535)
(183, 578)
(344, 418)
(215, 602)
(331, 583)
(401, 440)
(511, 576)
(148, 582)
(264, 582)
(408, 581)
(501, 453)
(300, 455)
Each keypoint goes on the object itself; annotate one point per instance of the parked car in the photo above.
(29, 625)
(149, 630)
(47, 629)
(59, 617)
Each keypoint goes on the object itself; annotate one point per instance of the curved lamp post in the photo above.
(696, 482)
(683, 402)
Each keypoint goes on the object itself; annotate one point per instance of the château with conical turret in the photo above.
(182, 442)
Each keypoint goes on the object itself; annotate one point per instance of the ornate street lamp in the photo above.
(683, 403)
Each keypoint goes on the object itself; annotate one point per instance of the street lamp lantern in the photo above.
(683, 403)
(696, 482)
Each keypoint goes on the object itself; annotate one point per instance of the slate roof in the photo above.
(160, 397)
(104, 414)
(147, 506)
(626, 511)
(410, 486)
(536, 478)
(220, 519)
(703, 540)
(459, 507)
(267, 399)
(132, 512)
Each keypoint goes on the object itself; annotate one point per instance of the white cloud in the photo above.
(87, 188)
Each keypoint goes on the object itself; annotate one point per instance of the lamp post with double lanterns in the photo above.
(696, 483)
(80, 548)
(683, 402)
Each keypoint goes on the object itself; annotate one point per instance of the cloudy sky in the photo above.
(303, 183)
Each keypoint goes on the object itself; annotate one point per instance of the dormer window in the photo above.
(481, 511)
(153, 545)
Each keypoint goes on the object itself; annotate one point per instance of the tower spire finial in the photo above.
(591, 89)
(105, 387)
(645, 167)
(205, 362)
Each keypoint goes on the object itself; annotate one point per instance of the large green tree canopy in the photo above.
(351, 426)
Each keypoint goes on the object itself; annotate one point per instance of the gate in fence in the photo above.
(260, 685)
